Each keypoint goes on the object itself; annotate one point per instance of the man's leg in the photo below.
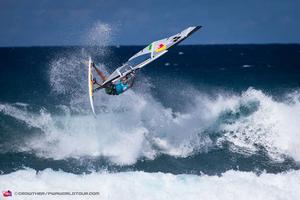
(101, 74)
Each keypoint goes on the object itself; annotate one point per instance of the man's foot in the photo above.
(94, 81)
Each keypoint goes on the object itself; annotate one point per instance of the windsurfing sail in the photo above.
(148, 55)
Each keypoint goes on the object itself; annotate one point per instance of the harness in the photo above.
(111, 89)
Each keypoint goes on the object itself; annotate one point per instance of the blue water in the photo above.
(199, 109)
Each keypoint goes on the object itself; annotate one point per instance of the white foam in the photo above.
(30, 119)
(68, 70)
(141, 185)
(247, 66)
(274, 125)
(99, 34)
(125, 131)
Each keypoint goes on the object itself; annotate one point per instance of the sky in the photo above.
(132, 22)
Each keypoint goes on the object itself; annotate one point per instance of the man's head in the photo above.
(124, 79)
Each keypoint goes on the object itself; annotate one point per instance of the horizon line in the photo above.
(139, 45)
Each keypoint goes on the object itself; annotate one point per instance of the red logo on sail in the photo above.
(161, 47)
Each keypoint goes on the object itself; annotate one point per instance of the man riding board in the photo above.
(123, 77)
(117, 88)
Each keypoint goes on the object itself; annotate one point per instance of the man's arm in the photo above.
(131, 82)
(100, 73)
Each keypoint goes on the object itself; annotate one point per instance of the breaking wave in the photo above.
(249, 122)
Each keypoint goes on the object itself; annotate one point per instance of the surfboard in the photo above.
(91, 85)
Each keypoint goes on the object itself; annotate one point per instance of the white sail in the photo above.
(149, 54)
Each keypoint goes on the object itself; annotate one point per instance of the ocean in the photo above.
(201, 122)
